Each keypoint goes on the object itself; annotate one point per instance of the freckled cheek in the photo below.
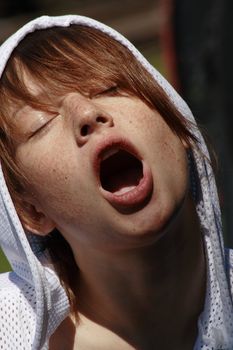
(57, 182)
(47, 173)
(169, 160)
(177, 169)
(43, 168)
(139, 119)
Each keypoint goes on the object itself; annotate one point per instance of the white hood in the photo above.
(216, 321)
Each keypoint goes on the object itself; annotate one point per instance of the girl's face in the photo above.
(105, 170)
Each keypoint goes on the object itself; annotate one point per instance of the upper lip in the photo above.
(107, 147)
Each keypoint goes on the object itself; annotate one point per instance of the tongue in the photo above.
(124, 182)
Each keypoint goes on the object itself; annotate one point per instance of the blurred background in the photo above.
(188, 41)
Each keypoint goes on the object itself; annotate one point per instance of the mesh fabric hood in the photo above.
(216, 322)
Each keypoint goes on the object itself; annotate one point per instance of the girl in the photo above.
(109, 211)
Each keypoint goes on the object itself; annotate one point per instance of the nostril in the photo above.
(101, 120)
(84, 130)
(90, 125)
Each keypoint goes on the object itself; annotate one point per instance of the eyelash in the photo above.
(42, 127)
(111, 91)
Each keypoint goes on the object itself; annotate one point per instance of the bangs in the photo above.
(79, 59)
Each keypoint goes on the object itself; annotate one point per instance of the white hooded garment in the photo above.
(32, 301)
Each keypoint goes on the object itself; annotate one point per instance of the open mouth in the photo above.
(120, 171)
(125, 179)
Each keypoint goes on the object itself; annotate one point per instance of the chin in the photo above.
(151, 222)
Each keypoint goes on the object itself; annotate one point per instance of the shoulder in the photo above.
(17, 312)
(8, 280)
(16, 289)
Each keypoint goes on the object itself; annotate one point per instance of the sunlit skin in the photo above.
(142, 279)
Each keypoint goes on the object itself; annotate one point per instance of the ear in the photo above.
(34, 220)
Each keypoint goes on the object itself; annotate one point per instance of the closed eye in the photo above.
(42, 128)
(111, 91)
(115, 90)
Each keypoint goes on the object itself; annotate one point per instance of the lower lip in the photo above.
(135, 197)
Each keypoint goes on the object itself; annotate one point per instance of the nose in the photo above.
(90, 123)
(88, 118)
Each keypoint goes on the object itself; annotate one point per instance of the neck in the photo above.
(148, 295)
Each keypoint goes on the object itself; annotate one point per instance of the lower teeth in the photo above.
(124, 190)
